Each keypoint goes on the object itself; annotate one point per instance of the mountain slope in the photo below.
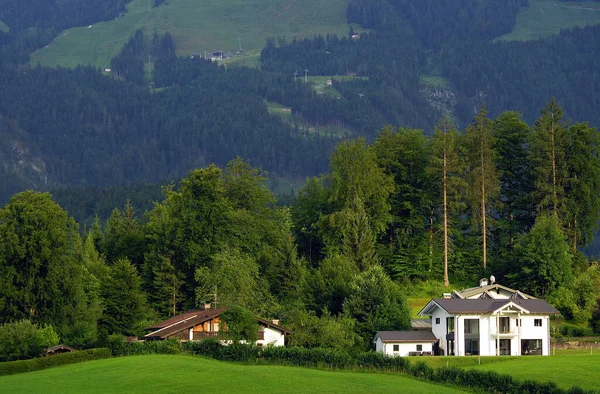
(198, 27)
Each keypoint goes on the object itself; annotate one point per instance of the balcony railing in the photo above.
(213, 334)
(205, 334)
(503, 330)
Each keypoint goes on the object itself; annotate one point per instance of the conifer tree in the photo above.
(446, 167)
(482, 177)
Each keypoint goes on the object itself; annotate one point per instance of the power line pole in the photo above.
(305, 75)
(295, 75)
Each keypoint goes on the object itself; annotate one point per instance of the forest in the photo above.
(158, 115)
(403, 214)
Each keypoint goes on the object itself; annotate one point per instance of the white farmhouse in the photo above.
(490, 320)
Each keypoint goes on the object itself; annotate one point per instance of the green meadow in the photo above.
(188, 374)
(567, 368)
(4, 27)
(544, 18)
(198, 26)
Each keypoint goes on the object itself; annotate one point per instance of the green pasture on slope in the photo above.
(4, 27)
(544, 18)
(198, 26)
(188, 374)
(567, 368)
(416, 304)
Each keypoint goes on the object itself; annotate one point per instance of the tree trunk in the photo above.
(483, 208)
(554, 193)
(446, 282)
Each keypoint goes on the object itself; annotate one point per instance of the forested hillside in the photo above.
(157, 115)
(500, 197)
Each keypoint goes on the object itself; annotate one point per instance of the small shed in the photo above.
(405, 343)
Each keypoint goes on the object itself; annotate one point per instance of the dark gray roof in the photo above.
(466, 293)
(420, 324)
(406, 336)
(486, 306)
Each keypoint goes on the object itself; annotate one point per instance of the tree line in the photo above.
(336, 265)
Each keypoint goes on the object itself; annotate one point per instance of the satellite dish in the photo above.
(492, 279)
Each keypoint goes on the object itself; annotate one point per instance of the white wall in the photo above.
(403, 348)
(439, 330)
(272, 337)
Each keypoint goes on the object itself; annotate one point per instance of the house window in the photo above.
(419, 348)
(396, 348)
(537, 322)
(437, 320)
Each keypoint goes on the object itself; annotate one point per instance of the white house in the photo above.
(489, 320)
(507, 325)
(206, 323)
(405, 343)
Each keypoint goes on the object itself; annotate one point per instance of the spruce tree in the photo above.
(482, 177)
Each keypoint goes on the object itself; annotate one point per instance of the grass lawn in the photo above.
(198, 26)
(567, 369)
(187, 374)
(544, 18)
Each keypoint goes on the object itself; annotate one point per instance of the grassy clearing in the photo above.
(3, 27)
(320, 85)
(279, 110)
(544, 18)
(435, 81)
(248, 60)
(416, 304)
(183, 374)
(198, 26)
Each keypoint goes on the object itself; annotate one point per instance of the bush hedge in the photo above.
(13, 367)
(119, 347)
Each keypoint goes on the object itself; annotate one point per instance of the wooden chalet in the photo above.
(206, 323)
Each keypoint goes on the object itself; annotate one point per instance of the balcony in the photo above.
(213, 334)
(504, 331)
(205, 334)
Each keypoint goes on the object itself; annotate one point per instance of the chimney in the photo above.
(206, 306)
(275, 321)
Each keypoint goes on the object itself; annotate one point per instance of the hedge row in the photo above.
(484, 381)
(119, 347)
(13, 367)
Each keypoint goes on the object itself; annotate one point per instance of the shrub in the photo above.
(23, 340)
(13, 367)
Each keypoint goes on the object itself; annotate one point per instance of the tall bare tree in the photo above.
(483, 180)
(446, 166)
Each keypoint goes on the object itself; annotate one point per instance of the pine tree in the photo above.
(547, 144)
(446, 167)
(482, 177)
